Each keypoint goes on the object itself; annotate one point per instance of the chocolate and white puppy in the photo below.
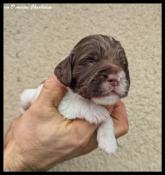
(96, 74)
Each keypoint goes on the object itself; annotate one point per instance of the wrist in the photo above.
(13, 160)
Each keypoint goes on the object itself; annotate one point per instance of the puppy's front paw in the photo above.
(107, 144)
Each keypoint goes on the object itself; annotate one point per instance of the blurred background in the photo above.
(37, 38)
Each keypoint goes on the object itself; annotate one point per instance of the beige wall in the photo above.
(36, 40)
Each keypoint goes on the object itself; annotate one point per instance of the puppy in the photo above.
(96, 74)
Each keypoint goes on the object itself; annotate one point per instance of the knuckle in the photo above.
(122, 104)
(82, 143)
(124, 129)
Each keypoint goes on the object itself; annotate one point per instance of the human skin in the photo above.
(42, 137)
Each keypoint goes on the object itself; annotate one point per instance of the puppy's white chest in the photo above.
(74, 106)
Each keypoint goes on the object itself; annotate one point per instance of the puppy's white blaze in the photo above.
(121, 89)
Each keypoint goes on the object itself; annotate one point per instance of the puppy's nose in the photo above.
(113, 82)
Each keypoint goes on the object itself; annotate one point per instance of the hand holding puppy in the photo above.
(40, 139)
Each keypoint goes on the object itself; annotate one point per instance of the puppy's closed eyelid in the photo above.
(87, 60)
(91, 60)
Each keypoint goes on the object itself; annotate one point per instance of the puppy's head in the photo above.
(96, 69)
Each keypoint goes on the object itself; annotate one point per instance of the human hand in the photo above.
(41, 138)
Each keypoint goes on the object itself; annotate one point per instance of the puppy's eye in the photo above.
(91, 60)
(87, 61)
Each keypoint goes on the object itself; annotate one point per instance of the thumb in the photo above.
(52, 92)
(110, 108)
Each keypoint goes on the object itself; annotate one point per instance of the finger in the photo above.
(110, 108)
(119, 103)
(87, 148)
(92, 144)
(89, 144)
(82, 127)
(120, 119)
(119, 111)
(52, 92)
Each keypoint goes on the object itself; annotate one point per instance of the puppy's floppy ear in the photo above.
(63, 70)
